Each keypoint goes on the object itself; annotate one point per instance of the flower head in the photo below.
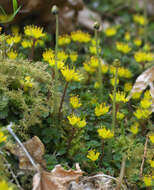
(76, 121)
(120, 116)
(70, 74)
(139, 19)
(127, 87)
(34, 31)
(137, 42)
(105, 133)
(151, 137)
(142, 113)
(134, 128)
(151, 162)
(75, 102)
(12, 54)
(2, 137)
(123, 47)
(48, 55)
(13, 39)
(110, 31)
(64, 40)
(73, 56)
(147, 180)
(127, 36)
(79, 36)
(101, 109)
(93, 155)
(4, 186)
(120, 97)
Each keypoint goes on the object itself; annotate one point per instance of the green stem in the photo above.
(55, 68)
(146, 18)
(99, 75)
(114, 101)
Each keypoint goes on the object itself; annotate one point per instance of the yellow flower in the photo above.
(105, 133)
(70, 74)
(79, 36)
(113, 81)
(134, 128)
(34, 31)
(139, 19)
(127, 87)
(147, 180)
(12, 54)
(73, 119)
(120, 116)
(13, 39)
(141, 56)
(87, 66)
(110, 31)
(104, 68)
(75, 102)
(151, 163)
(101, 109)
(73, 56)
(123, 47)
(4, 186)
(93, 155)
(151, 137)
(137, 42)
(127, 36)
(93, 50)
(0, 29)
(136, 95)
(62, 56)
(145, 103)
(60, 64)
(96, 85)
(94, 62)
(2, 137)
(64, 40)
(120, 97)
(27, 43)
(147, 94)
(142, 113)
(48, 55)
(82, 123)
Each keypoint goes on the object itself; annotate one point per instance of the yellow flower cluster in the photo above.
(134, 128)
(136, 95)
(76, 121)
(112, 80)
(13, 39)
(110, 31)
(137, 42)
(27, 43)
(34, 31)
(139, 19)
(122, 72)
(120, 116)
(79, 36)
(151, 162)
(27, 83)
(12, 54)
(151, 137)
(64, 40)
(105, 133)
(93, 155)
(75, 102)
(148, 181)
(91, 65)
(127, 36)
(142, 113)
(2, 137)
(127, 87)
(70, 74)
(120, 97)
(142, 56)
(101, 109)
(15, 29)
(48, 55)
(73, 56)
(5, 186)
(123, 47)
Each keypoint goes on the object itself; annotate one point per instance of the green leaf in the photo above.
(15, 5)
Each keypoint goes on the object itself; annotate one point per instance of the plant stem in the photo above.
(55, 68)
(101, 158)
(145, 17)
(144, 157)
(62, 99)
(32, 49)
(99, 75)
(114, 101)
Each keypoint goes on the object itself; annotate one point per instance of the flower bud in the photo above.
(96, 25)
(116, 63)
(54, 10)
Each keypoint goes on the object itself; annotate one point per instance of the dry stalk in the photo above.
(144, 157)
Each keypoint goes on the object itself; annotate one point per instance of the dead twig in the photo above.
(144, 157)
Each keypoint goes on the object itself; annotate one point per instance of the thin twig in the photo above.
(144, 157)
(11, 171)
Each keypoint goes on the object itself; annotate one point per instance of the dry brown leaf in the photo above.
(58, 179)
(143, 81)
(35, 148)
